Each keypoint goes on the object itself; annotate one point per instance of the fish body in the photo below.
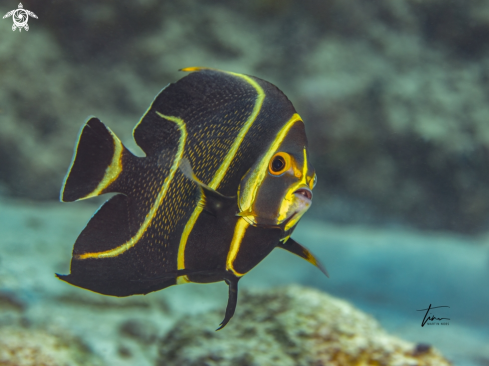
(225, 179)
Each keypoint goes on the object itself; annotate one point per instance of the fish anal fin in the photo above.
(214, 202)
(97, 163)
(294, 247)
(107, 229)
(178, 273)
(118, 287)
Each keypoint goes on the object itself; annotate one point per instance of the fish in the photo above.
(225, 179)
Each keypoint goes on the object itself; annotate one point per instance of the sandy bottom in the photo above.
(389, 273)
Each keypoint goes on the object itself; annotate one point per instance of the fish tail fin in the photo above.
(97, 163)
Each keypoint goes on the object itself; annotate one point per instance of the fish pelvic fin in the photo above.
(294, 247)
(97, 163)
(232, 282)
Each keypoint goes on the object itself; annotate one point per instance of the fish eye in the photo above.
(279, 163)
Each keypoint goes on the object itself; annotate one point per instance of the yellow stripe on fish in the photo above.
(225, 179)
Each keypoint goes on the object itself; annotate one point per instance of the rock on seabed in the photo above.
(29, 347)
(290, 326)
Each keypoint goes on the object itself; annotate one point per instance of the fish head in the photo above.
(277, 190)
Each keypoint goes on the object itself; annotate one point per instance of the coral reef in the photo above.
(29, 347)
(291, 326)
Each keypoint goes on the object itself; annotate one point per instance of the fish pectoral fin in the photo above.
(213, 200)
(246, 213)
(187, 170)
(232, 282)
(294, 247)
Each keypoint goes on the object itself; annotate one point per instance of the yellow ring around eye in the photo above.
(279, 163)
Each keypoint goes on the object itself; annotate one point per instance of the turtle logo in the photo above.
(20, 17)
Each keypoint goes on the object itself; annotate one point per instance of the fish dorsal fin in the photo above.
(156, 132)
(214, 202)
(193, 99)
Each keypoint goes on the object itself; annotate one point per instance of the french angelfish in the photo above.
(225, 180)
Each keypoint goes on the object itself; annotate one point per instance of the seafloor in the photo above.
(389, 273)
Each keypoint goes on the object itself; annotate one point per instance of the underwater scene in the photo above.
(244, 183)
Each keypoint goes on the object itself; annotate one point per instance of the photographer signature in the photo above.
(427, 318)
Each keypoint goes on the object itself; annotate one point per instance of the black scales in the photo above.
(224, 181)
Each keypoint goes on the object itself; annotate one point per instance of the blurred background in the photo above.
(394, 94)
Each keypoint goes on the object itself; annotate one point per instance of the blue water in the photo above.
(394, 97)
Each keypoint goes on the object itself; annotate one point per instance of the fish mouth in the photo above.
(304, 194)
